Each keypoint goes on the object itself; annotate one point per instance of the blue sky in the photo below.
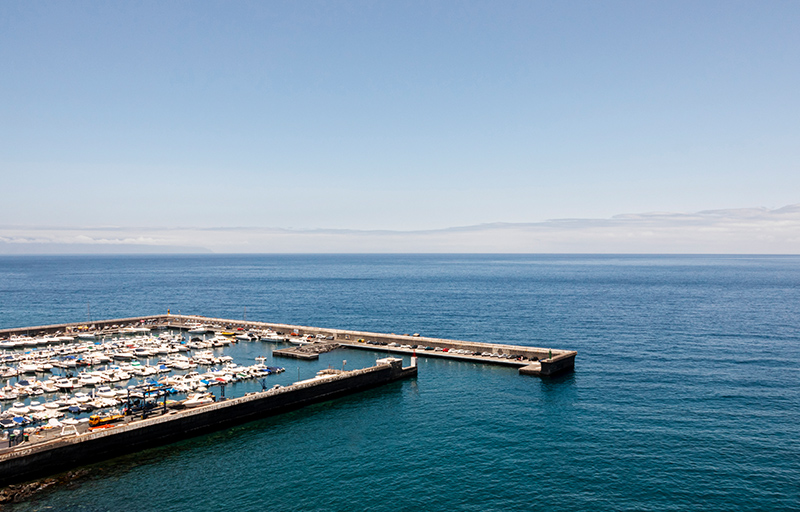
(393, 115)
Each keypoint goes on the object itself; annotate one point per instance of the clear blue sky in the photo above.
(393, 115)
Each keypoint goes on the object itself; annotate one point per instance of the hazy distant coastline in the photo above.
(734, 231)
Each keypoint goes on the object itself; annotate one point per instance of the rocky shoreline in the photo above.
(22, 492)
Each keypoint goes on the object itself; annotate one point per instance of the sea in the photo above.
(685, 394)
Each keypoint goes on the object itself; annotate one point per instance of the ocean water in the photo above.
(686, 394)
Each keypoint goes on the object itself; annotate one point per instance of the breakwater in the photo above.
(535, 361)
(33, 460)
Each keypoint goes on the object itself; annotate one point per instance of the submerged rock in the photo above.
(20, 492)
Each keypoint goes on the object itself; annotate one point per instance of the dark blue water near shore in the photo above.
(686, 394)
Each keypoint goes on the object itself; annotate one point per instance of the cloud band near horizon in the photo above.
(734, 231)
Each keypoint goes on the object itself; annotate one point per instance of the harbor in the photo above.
(494, 429)
(543, 362)
(82, 392)
(73, 448)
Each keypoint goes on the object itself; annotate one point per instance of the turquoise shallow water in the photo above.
(686, 394)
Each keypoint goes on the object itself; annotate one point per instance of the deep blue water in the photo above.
(686, 394)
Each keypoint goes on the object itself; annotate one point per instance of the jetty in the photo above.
(534, 361)
(74, 448)
(40, 445)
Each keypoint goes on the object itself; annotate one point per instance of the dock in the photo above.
(306, 352)
(534, 361)
(31, 460)
(46, 452)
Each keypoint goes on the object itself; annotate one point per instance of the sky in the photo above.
(124, 121)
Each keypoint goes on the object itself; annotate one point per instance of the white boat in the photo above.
(198, 329)
(173, 380)
(180, 364)
(19, 409)
(36, 407)
(87, 379)
(28, 367)
(101, 402)
(121, 375)
(6, 396)
(98, 357)
(220, 341)
(49, 386)
(105, 392)
(143, 352)
(65, 383)
(198, 399)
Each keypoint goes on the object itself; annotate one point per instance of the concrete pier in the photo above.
(542, 362)
(34, 460)
(306, 352)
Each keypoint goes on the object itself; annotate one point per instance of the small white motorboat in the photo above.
(198, 399)
(19, 409)
(105, 392)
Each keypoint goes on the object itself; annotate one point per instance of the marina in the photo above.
(74, 447)
(660, 396)
(530, 360)
(95, 381)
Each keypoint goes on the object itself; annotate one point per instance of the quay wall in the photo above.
(352, 337)
(554, 361)
(37, 460)
(74, 327)
(559, 364)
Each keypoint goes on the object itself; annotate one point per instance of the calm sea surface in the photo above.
(686, 394)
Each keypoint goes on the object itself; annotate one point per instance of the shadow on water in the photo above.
(560, 380)
(206, 445)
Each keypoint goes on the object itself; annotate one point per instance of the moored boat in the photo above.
(198, 399)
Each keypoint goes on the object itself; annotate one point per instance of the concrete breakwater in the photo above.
(537, 361)
(29, 460)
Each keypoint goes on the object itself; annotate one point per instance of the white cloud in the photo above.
(743, 231)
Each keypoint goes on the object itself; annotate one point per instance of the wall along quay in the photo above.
(34, 460)
(542, 362)
(55, 453)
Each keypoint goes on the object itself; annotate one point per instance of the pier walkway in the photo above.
(535, 361)
(53, 453)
